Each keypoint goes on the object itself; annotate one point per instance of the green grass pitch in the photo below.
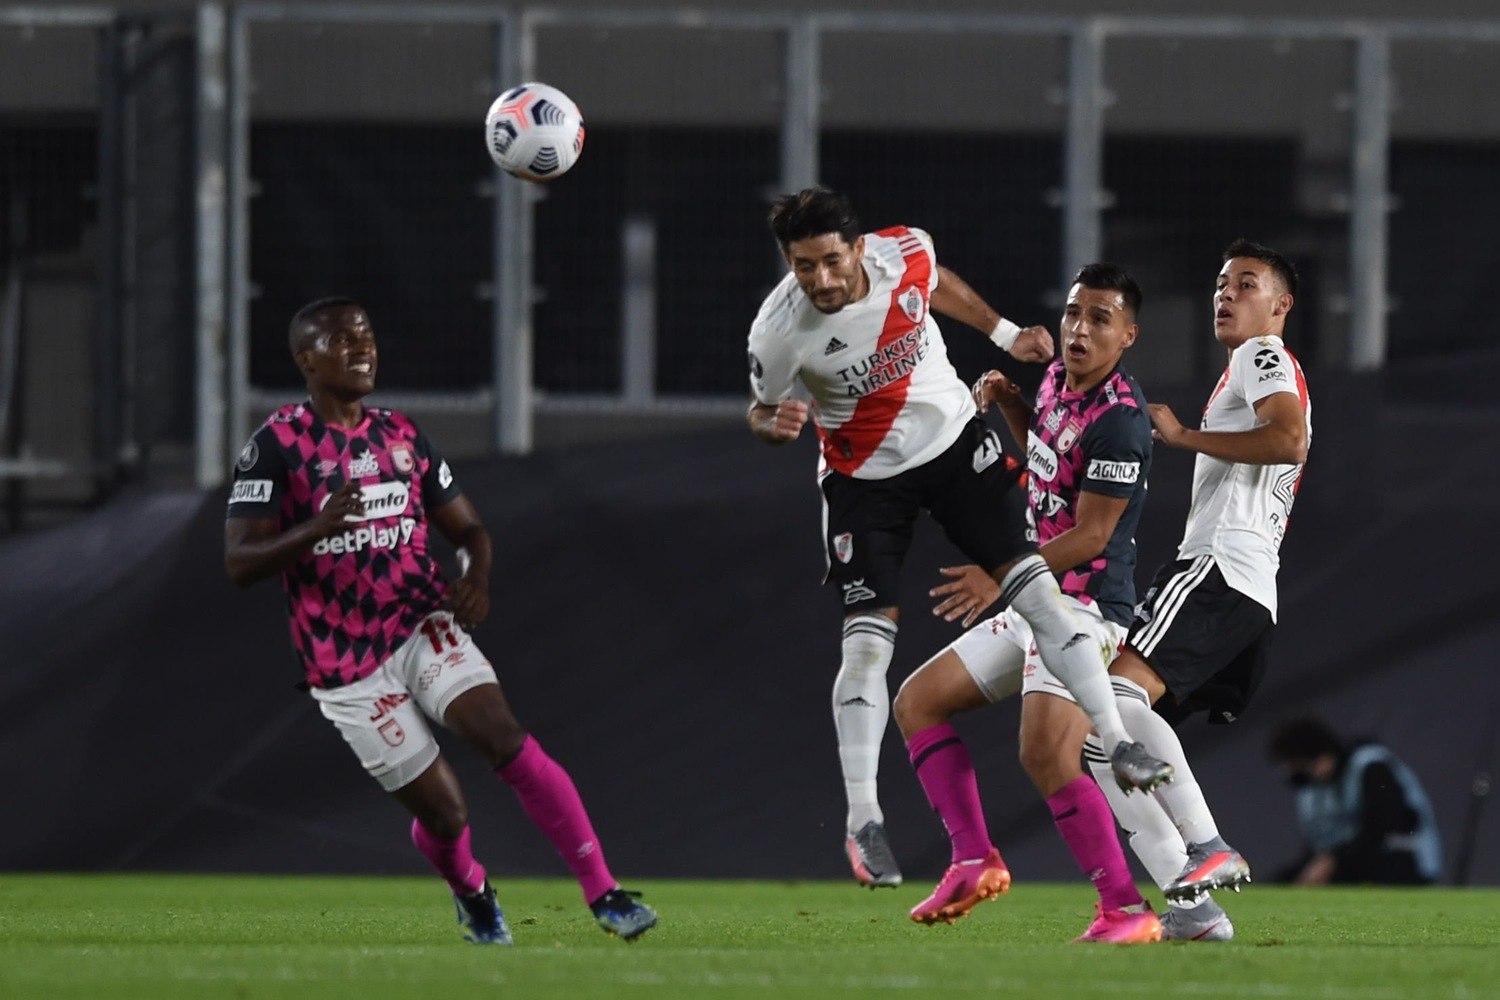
(167, 936)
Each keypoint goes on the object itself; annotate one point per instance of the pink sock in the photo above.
(551, 800)
(453, 859)
(946, 772)
(1088, 828)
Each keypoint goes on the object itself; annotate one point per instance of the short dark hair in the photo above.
(1106, 277)
(813, 211)
(1275, 261)
(1303, 738)
(304, 316)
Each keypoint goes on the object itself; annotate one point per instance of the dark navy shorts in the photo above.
(974, 492)
(1206, 640)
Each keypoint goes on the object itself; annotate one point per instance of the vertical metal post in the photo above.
(209, 139)
(515, 60)
(638, 309)
(1083, 155)
(109, 393)
(799, 112)
(238, 423)
(1369, 201)
(13, 230)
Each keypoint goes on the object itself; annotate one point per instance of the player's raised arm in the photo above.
(994, 387)
(954, 297)
(1280, 440)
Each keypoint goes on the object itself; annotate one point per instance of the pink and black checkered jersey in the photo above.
(357, 596)
(1096, 441)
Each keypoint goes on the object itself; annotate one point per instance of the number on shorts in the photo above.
(438, 634)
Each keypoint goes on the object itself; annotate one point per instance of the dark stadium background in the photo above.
(657, 619)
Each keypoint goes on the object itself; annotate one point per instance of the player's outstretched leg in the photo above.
(1068, 652)
(861, 709)
(551, 800)
(440, 832)
(1211, 863)
(478, 912)
(946, 771)
(1052, 734)
(1155, 840)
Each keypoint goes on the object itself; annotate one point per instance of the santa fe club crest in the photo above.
(402, 460)
(1069, 435)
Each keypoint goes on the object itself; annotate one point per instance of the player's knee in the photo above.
(500, 741)
(488, 726)
(445, 819)
(1045, 761)
(906, 708)
(1032, 756)
(916, 707)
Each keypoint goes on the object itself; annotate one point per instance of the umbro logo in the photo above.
(856, 700)
(834, 346)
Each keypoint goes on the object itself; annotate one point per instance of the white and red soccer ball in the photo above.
(534, 132)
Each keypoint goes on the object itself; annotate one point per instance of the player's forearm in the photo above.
(1079, 544)
(953, 297)
(475, 554)
(1018, 418)
(1097, 516)
(1269, 444)
(762, 422)
(247, 562)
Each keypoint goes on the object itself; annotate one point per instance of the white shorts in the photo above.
(1002, 658)
(381, 716)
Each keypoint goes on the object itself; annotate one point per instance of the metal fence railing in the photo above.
(336, 149)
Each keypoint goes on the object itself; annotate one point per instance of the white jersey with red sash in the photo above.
(885, 397)
(1240, 511)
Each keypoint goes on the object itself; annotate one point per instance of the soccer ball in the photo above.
(534, 132)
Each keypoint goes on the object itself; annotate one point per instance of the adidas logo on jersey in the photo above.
(834, 346)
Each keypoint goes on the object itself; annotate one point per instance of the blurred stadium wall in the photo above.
(176, 178)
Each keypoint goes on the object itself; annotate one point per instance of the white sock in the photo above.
(1065, 645)
(861, 708)
(1181, 797)
(1152, 834)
